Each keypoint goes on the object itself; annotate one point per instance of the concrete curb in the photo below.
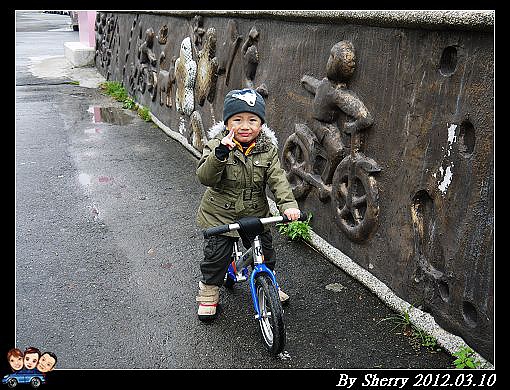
(421, 320)
(176, 136)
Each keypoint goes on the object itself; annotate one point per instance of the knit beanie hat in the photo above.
(244, 100)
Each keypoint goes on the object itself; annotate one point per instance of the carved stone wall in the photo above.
(386, 131)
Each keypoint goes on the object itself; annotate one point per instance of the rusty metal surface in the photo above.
(416, 181)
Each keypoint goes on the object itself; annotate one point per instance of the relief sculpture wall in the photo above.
(385, 130)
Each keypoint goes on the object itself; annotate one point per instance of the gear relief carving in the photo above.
(185, 73)
(229, 49)
(116, 45)
(110, 39)
(207, 69)
(250, 57)
(99, 32)
(136, 79)
(104, 27)
(128, 50)
(317, 157)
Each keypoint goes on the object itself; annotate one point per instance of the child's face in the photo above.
(30, 360)
(246, 126)
(46, 363)
(16, 362)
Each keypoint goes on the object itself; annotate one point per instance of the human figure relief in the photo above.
(318, 157)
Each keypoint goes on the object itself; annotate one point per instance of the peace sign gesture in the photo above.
(227, 140)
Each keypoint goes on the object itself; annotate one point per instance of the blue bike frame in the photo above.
(242, 260)
(256, 270)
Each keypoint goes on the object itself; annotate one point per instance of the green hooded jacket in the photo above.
(236, 187)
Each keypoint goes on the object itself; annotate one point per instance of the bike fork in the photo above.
(259, 267)
(236, 267)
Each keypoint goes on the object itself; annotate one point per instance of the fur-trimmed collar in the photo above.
(265, 138)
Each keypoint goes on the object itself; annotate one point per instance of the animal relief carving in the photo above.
(185, 73)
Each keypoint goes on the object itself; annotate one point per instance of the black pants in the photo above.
(218, 255)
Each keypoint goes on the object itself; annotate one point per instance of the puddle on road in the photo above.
(113, 115)
(94, 130)
(104, 179)
(84, 179)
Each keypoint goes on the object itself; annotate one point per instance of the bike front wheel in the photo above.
(270, 308)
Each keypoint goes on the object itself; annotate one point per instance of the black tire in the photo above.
(12, 383)
(35, 382)
(228, 282)
(272, 327)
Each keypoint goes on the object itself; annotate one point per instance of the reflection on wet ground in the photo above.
(84, 178)
(113, 115)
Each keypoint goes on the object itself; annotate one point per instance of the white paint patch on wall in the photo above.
(446, 174)
(451, 137)
(447, 179)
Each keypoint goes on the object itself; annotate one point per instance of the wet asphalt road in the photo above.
(107, 250)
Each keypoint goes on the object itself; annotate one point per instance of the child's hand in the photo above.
(227, 140)
(292, 214)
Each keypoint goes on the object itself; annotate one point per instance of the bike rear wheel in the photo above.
(271, 322)
(228, 282)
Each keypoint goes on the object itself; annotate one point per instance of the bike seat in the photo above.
(250, 227)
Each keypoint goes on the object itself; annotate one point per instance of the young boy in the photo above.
(237, 163)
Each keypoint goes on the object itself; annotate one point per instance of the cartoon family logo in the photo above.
(30, 366)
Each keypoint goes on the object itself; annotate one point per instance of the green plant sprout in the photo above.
(420, 337)
(465, 358)
(144, 113)
(296, 230)
(116, 90)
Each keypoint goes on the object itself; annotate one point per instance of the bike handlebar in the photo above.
(213, 231)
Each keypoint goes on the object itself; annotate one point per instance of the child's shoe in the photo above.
(207, 298)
